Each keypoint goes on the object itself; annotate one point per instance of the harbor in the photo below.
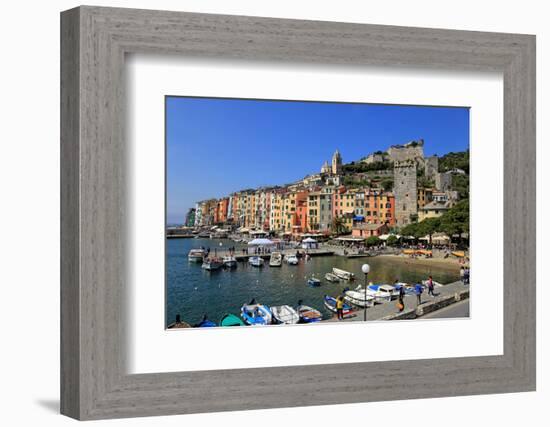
(196, 294)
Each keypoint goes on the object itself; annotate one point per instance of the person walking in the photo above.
(430, 286)
(401, 298)
(418, 291)
(462, 275)
(340, 307)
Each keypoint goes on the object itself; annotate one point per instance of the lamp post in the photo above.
(365, 268)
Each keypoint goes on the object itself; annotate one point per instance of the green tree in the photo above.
(387, 184)
(392, 240)
(337, 225)
(373, 241)
(457, 219)
(455, 160)
(429, 226)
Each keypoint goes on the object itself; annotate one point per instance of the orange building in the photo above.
(220, 216)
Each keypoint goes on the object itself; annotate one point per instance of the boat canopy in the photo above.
(261, 242)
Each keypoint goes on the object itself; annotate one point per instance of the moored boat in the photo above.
(357, 297)
(343, 274)
(256, 261)
(276, 259)
(308, 314)
(382, 293)
(291, 260)
(231, 320)
(313, 281)
(211, 264)
(230, 261)
(285, 314)
(196, 255)
(330, 303)
(256, 314)
(332, 277)
(206, 323)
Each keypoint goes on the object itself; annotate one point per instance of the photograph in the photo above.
(284, 212)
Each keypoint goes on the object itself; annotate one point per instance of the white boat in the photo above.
(276, 259)
(357, 297)
(285, 314)
(196, 255)
(256, 261)
(343, 274)
(332, 277)
(292, 260)
(230, 261)
(382, 293)
(211, 264)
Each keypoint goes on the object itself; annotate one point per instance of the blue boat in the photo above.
(256, 314)
(205, 323)
(330, 303)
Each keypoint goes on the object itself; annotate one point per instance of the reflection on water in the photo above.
(193, 292)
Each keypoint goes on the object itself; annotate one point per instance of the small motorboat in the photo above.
(285, 314)
(332, 278)
(230, 261)
(382, 293)
(256, 314)
(256, 261)
(292, 260)
(231, 320)
(205, 323)
(343, 274)
(313, 281)
(211, 264)
(308, 314)
(357, 297)
(276, 259)
(330, 303)
(196, 255)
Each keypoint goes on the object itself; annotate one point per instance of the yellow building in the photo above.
(313, 210)
(424, 196)
(275, 212)
(433, 210)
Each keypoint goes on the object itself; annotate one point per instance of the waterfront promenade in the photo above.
(445, 295)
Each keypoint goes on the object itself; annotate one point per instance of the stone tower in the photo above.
(404, 184)
(325, 168)
(336, 163)
(431, 167)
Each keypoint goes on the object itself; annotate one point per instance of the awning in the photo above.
(309, 240)
(358, 218)
(350, 239)
(261, 242)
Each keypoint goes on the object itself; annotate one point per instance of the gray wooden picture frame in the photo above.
(94, 382)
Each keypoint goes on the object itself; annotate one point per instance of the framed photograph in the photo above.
(282, 213)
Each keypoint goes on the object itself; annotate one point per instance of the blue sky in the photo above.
(217, 146)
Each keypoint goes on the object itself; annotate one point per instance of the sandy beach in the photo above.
(451, 264)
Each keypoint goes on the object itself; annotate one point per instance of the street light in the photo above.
(365, 268)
